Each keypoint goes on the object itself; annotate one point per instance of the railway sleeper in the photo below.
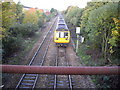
(28, 80)
(29, 84)
(30, 77)
(25, 87)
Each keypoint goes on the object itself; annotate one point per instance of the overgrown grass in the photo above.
(87, 58)
(92, 58)
(81, 52)
(106, 81)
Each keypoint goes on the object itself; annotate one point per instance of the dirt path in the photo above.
(80, 81)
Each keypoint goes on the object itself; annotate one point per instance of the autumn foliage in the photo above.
(100, 25)
(18, 25)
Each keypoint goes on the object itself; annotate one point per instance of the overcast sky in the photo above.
(57, 4)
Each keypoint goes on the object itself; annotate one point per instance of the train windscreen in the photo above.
(61, 34)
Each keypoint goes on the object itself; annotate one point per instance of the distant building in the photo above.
(26, 8)
(47, 12)
(41, 10)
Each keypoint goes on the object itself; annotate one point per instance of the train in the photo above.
(61, 33)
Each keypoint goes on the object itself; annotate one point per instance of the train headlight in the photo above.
(56, 38)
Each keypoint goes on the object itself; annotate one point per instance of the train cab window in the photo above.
(66, 34)
(62, 34)
(57, 34)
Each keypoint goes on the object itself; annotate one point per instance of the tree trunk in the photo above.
(103, 45)
(105, 51)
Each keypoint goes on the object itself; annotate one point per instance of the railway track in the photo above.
(63, 81)
(49, 81)
(60, 57)
(60, 81)
(29, 80)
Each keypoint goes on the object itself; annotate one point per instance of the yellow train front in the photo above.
(61, 34)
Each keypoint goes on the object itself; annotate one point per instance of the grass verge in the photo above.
(94, 58)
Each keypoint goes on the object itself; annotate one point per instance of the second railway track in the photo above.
(29, 80)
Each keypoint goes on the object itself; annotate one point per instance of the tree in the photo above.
(52, 10)
(99, 25)
(30, 17)
(115, 38)
(19, 14)
(73, 14)
(8, 14)
(8, 19)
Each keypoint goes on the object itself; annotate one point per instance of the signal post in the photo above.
(77, 43)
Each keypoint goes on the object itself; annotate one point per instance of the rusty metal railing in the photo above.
(61, 70)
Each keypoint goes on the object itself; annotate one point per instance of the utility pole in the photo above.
(77, 32)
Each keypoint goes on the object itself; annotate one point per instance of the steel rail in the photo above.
(34, 58)
(56, 64)
(69, 77)
(70, 82)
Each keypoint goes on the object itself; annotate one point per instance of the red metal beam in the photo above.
(61, 70)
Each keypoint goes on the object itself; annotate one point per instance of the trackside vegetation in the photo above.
(99, 22)
(19, 26)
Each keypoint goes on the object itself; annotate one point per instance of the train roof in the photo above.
(62, 25)
(60, 17)
(61, 21)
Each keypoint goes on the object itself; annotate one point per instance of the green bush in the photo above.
(40, 22)
(17, 33)
(10, 44)
(25, 30)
